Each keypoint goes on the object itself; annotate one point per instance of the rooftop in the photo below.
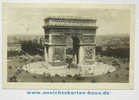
(71, 18)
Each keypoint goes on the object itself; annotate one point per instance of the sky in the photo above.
(28, 19)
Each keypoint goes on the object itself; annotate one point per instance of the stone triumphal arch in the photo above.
(70, 36)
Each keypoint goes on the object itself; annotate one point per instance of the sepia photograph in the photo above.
(68, 46)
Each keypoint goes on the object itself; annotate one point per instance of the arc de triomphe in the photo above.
(65, 33)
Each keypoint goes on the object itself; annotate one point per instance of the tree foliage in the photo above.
(32, 47)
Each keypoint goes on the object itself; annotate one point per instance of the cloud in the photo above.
(29, 20)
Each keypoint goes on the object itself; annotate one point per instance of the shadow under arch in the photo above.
(73, 45)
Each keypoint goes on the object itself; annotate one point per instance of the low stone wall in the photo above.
(84, 71)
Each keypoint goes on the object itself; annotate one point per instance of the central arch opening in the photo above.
(72, 48)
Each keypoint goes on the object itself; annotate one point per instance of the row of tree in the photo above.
(34, 48)
(114, 52)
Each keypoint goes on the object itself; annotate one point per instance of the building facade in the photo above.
(66, 36)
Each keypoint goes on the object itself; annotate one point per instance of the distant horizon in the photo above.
(96, 34)
(125, 34)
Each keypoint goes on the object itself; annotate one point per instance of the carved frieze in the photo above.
(88, 38)
(73, 31)
(58, 39)
(72, 22)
